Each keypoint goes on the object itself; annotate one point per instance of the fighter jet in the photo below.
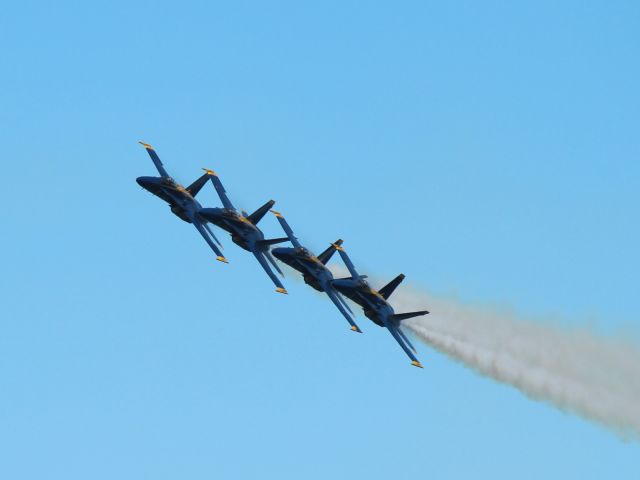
(243, 229)
(374, 303)
(313, 269)
(181, 200)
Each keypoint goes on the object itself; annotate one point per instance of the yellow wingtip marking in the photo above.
(417, 364)
(337, 247)
(210, 172)
(356, 329)
(222, 259)
(282, 290)
(146, 145)
(277, 214)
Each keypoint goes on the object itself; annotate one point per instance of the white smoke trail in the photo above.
(576, 370)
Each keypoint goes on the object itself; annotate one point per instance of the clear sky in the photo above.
(488, 150)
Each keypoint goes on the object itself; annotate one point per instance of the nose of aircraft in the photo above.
(145, 182)
(280, 252)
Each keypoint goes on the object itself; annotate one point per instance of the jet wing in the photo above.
(349, 290)
(347, 261)
(272, 261)
(156, 159)
(399, 336)
(345, 304)
(222, 193)
(206, 226)
(334, 296)
(265, 265)
(406, 340)
(287, 229)
(213, 246)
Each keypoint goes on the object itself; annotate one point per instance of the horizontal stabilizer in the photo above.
(403, 316)
(388, 289)
(256, 216)
(325, 256)
(273, 241)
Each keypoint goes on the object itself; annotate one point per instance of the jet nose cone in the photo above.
(280, 252)
(145, 182)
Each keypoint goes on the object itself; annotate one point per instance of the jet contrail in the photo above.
(579, 371)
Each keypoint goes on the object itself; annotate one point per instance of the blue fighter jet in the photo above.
(374, 303)
(313, 269)
(181, 200)
(244, 230)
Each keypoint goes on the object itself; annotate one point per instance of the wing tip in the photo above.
(210, 172)
(282, 290)
(416, 363)
(355, 328)
(146, 145)
(277, 214)
(220, 258)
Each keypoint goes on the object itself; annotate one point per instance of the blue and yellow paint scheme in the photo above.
(244, 230)
(181, 200)
(313, 268)
(374, 303)
(245, 233)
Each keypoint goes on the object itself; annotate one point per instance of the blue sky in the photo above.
(487, 150)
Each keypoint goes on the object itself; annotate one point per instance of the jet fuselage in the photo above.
(314, 272)
(375, 307)
(243, 233)
(181, 202)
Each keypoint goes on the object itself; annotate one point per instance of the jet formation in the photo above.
(244, 231)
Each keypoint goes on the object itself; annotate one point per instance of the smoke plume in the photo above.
(580, 371)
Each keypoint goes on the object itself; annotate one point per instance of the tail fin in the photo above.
(388, 289)
(256, 216)
(196, 186)
(403, 316)
(325, 256)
